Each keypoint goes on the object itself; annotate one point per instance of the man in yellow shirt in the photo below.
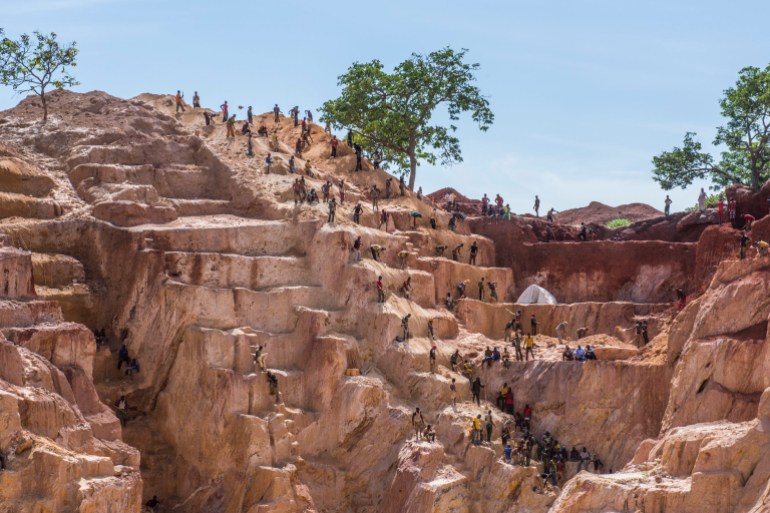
(476, 435)
(501, 393)
(528, 347)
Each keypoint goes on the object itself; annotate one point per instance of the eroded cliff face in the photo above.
(711, 454)
(164, 234)
(61, 447)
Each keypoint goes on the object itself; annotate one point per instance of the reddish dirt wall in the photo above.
(638, 271)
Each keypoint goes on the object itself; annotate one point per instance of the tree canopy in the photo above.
(745, 136)
(34, 63)
(393, 112)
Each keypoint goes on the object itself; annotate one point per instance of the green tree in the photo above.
(393, 112)
(34, 63)
(746, 136)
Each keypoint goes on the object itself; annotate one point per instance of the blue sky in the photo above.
(585, 92)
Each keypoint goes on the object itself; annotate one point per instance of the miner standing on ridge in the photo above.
(744, 243)
(357, 213)
(231, 127)
(418, 422)
(375, 198)
(476, 387)
(561, 330)
(432, 358)
(357, 249)
(476, 438)
(334, 143)
(474, 249)
(332, 209)
(533, 324)
(359, 156)
(179, 102)
(405, 326)
(225, 112)
(457, 252)
(380, 289)
(529, 347)
(702, 200)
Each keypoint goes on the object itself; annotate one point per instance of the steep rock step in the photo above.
(235, 348)
(378, 324)
(231, 270)
(157, 151)
(423, 288)
(274, 432)
(63, 344)
(613, 318)
(180, 181)
(20, 205)
(425, 243)
(56, 270)
(224, 357)
(158, 457)
(76, 300)
(201, 207)
(230, 234)
(272, 309)
(19, 177)
(292, 349)
(29, 313)
(447, 274)
(295, 387)
(325, 358)
(225, 349)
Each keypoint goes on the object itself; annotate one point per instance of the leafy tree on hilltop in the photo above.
(33, 63)
(392, 112)
(746, 135)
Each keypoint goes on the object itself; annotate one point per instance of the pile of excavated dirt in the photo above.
(270, 373)
(466, 205)
(600, 214)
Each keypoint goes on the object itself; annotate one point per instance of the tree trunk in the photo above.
(412, 162)
(754, 174)
(412, 171)
(45, 106)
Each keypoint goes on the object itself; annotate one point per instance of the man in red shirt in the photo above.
(334, 144)
(380, 290)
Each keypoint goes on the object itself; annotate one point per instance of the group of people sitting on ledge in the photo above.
(579, 354)
(521, 447)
